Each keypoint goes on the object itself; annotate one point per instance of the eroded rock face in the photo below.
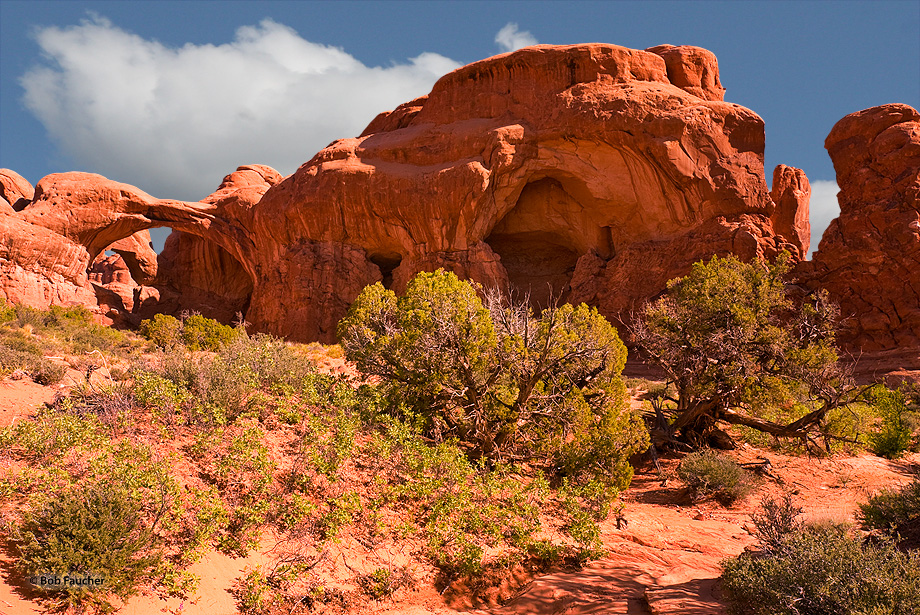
(792, 193)
(40, 266)
(584, 172)
(567, 171)
(869, 257)
(692, 69)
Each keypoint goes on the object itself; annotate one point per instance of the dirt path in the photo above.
(667, 560)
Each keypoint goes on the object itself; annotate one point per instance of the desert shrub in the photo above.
(235, 461)
(51, 433)
(293, 510)
(709, 474)
(823, 571)
(384, 582)
(278, 588)
(95, 530)
(891, 508)
(47, 372)
(163, 396)
(7, 311)
(164, 331)
(90, 336)
(205, 516)
(195, 332)
(215, 390)
(328, 440)
(894, 436)
(17, 353)
(201, 333)
(586, 506)
(113, 405)
(504, 382)
(733, 345)
(775, 522)
(252, 591)
(461, 508)
(107, 521)
(339, 513)
(273, 363)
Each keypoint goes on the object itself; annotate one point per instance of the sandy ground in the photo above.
(665, 560)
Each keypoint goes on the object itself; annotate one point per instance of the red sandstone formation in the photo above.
(869, 257)
(575, 170)
(588, 172)
(791, 193)
(692, 69)
(15, 189)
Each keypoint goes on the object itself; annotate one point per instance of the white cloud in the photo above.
(510, 39)
(174, 121)
(823, 208)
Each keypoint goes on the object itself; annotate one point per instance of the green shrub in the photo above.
(253, 592)
(586, 506)
(709, 474)
(383, 582)
(201, 333)
(236, 462)
(340, 512)
(47, 372)
(893, 439)
(501, 380)
(96, 530)
(164, 331)
(776, 521)
(823, 572)
(728, 337)
(25, 355)
(195, 332)
(460, 508)
(88, 337)
(205, 517)
(272, 363)
(52, 433)
(327, 442)
(891, 508)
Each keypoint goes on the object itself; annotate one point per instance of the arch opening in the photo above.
(386, 263)
(190, 274)
(540, 241)
(195, 274)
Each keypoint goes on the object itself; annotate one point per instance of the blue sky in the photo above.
(171, 96)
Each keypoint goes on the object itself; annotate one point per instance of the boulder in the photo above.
(15, 189)
(692, 69)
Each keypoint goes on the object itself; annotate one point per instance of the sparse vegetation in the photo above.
(31, 339)
(709, 474)
(819, 570)
(506, 383)
(194, 331)
(733, 344)
(894, 435)
(892, 508)
(94, 531)
(189, 450)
